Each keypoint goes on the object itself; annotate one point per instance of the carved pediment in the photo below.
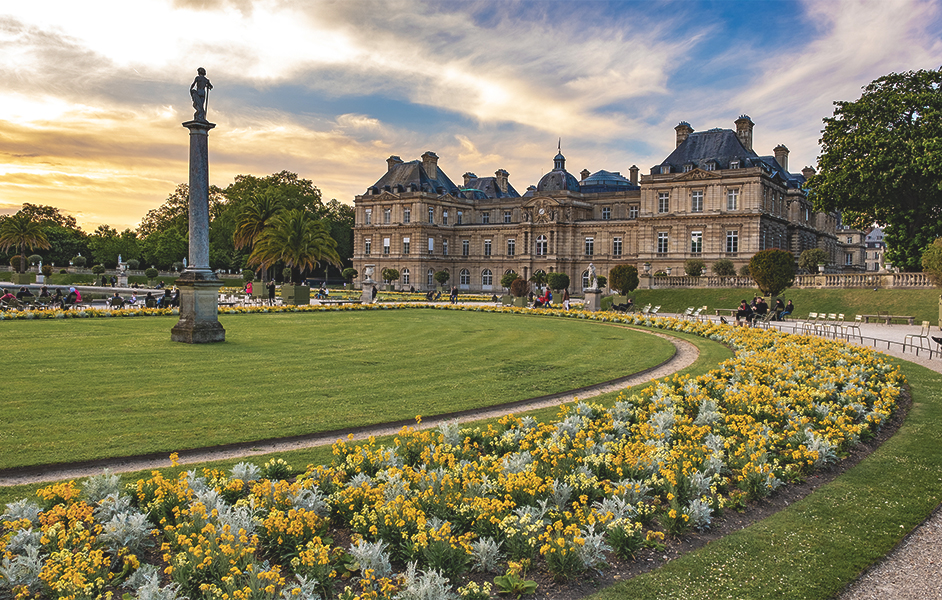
(542, 210)
(697, 175)
(386, 195)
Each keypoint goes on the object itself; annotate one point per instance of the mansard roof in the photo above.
(411, 176)
(606, 181)
(490, 188)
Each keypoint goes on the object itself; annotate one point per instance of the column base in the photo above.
(199, 306)
(593, 300)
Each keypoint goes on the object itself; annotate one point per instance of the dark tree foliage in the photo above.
(508, 278)
(623, 278)
(557, 281)
(694, 267)
(724, 268)
(811, 258)
(881, 162)
(441, 277)
(932, 262)
(519, 287)
(773, 270)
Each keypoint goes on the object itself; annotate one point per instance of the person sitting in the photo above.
(8, 299)
(789, 309)
(44, 292)
(165, 300)
(150, 301)
(116, 301)
(760, 310)
(71, 299)
(57, 297)
(24, 294)
(132, 300)
(779, 309)
(161, 285)
(743, 313)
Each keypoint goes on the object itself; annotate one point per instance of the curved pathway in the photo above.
(684, 356)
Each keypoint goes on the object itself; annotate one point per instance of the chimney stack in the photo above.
(781, 156)
(468, 177)
(744, 127)
(430, 164)
(633, 172)
(500, 176)
(392, 161)
(585, 173)
(807, 172)
(683, 130)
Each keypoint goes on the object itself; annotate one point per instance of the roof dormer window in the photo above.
(665, 169)
(734, 164)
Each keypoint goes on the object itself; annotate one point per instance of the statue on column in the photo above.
(199, 91)
(593, 280)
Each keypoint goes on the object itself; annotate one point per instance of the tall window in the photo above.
(407, 215)
(511, 247)
(385, 245)
(369, 216)
(465, 247)
(430, 278)
(732, 199)
(616, 246)
(662, 242)
(431, 216)
(541, 246)
(663, 202)
(431, 245)
(507, 216)
(732, 241)
(487, 247)
(387, 216)
(696, 242)
(589, 246)
(405, 245)
(633, 211)
(696, 201)
(445, 247)
(367, 245)
(460, 217)
(848, 258)
(606, 213)
(487, 279)
(405, 276)
(464, 277)
(585, 279)
(444, 217)
(485, 218)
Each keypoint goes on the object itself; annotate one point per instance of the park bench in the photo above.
(889, 319)
(729, 311)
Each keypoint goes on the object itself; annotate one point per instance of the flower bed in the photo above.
(561, 497)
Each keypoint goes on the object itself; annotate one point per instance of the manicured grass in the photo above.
(923, 304)
(114, 387)
(818, 545)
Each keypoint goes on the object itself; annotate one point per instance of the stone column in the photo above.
(366, 293)
(593, 300)
(199, 286)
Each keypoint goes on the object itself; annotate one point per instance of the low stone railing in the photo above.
(820, 281)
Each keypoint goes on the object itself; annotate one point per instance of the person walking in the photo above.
(271, 292)
(454, 294)
(566, 299)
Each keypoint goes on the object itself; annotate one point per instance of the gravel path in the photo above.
(685, 355)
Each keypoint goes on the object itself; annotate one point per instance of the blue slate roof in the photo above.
(489, 188)
(606, 181)
(411, 176)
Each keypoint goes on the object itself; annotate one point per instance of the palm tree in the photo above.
(20, 231)
(254, 218)
(296, 238)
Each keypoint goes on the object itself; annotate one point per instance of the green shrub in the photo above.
(134, 264)
(98, 269)
(558, 281)
(694, 267)
(79, 261)
(624, 278)
(724, 268)
(151, 273)
(390, 275)
(442, 277)
(33, 259)
(745, 271)
(15, 263)
(63, 272)
(773, 270)
(601, 281)
(47, 270)
(932, 262)
(508, 279)
(349, 273)
(247, 275)
(177, 266)
(811, 258)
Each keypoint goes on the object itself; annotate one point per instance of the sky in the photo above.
(93, 93)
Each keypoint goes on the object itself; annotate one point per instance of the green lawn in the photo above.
(923, 304)
(86, 389)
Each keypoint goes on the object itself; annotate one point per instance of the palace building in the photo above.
(713, 197)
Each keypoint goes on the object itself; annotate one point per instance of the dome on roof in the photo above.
(557, 180)
(605, 178)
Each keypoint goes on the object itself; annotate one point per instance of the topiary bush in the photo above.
(151, 273)
(390, 275)
(47, 270)
(15, 263)
(773, 270)
(349, 273)
(98, 269)
(519, 287)
(79, 261)
(694, 267)
(134, 264)
(744, 271)
(442, 277)
(508, 279)
(724, 268)
(811, 258)
(558, 281)
(248, 275)
(624, 278)
(33, 259)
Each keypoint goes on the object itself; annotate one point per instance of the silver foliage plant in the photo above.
(245, 471)
(302, 590)
(100, 486)
(372, 556)
(21, 570)
(129, 530)
(22, 509)
(430, 585)
(485, 555)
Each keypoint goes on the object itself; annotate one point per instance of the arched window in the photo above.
(431, 278)
(541, 246)
(464, 278)
(405, 276)
(487, 279)
(585, 279)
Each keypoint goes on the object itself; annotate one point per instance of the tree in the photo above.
(811, 258)
(881, 162)
(349, 273)
(442, 277)
(538, 278)
(724, 268)
(601, 281)
(932, 262)
(20, 231)
(773, 270)
(694, 267)
(390, 275)
(508, 278)
(519, 287)
(624, 278)
(745, 271)
(298, 240)
(557, 281)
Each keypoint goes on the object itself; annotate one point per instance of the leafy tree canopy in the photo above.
(724, 267)
(624, 278)
(932, 262)
(508, 278)
(442, 277)
(773, 270)
(811, 258)
(557, 281)
(881, 162)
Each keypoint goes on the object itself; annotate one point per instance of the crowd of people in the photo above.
(758, 310)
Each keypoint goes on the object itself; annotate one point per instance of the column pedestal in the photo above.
(199, 306)
(366, 295)
(593, 300)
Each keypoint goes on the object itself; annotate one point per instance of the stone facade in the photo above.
(712, 198)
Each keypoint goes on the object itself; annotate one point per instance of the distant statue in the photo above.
(119, 259)
(199, 91)
(368, 272)
(593, 281)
